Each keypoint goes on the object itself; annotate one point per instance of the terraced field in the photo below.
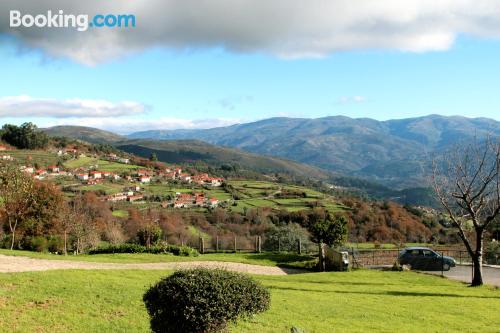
(102, 165)
(32, 157)
(253, 194)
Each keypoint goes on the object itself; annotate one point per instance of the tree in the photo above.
(153, 157)
(87, 219)
(16, 193)
(327, 229)
(26, 136)
(467, 183)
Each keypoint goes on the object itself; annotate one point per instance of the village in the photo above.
(131, 178)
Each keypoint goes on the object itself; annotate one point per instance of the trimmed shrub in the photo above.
(185, 251)
(203, 300)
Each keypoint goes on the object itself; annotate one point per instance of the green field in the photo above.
(31, 157)
(254, 194)
(359, 301)
(107, 187)
(102, 165)
(120, 213)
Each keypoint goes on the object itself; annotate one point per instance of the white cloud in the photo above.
(26, 106)
(284, 28)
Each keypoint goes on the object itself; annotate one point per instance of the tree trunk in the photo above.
(322, 266)
(477, 260)
(13, 227)
(13, 240)
(65, 243)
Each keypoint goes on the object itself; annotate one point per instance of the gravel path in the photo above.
(11, 264)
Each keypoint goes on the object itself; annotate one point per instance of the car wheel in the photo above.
(446, 267)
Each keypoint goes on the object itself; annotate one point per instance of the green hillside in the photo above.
(189, 151)
(88, 134)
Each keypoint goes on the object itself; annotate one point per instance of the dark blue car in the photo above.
(425, 259)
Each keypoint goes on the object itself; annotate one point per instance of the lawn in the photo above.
(359, 301)
(265, 259)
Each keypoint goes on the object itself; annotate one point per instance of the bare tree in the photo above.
(467, 183)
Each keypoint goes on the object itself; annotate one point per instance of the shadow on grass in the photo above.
(385, 293)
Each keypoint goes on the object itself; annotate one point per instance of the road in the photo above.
(491, 275)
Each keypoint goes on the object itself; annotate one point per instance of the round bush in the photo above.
(203, 300)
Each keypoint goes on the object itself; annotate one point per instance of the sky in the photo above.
(215, 65)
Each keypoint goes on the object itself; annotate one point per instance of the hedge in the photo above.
(156, 249)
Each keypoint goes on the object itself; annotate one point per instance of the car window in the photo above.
(428, 253)
(413, 252)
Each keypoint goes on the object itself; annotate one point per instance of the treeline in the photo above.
(26, 136)
(35, 215)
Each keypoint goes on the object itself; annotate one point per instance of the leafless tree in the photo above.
(467, 183)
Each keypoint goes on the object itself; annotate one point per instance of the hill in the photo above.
(189, 151)
(393, 152)
(88, 134)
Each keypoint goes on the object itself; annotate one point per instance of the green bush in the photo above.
(149, 235)
(284, 238)
(492, 253)
(55, 244)
(136, 248)
(37, 243)
(203, 301)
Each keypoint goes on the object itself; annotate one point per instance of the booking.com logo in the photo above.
(79, 22)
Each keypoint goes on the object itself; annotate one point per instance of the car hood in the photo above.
(448, 258)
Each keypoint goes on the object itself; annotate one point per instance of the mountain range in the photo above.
(395, 153)
(384, 159)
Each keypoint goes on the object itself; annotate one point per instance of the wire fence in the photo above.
(380, 257)
(358, 257)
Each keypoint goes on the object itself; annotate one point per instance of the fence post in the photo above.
(279, 245)
(259, 244)
(235, 249)
(442, 264)
(299, 246)
(216, 243)
(202, 245)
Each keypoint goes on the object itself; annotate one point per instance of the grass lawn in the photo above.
(265, 259)
(359, 301)
(120, 213)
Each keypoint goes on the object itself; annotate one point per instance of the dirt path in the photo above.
(11, 264)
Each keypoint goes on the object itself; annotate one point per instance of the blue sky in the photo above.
(206, 87)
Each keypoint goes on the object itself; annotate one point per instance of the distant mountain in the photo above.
(394, 152)
(88, 134)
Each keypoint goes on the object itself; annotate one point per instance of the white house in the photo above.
(82, 176)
